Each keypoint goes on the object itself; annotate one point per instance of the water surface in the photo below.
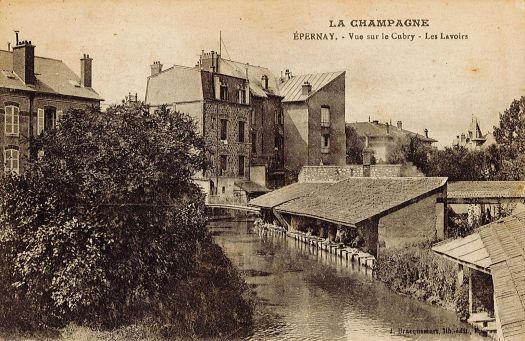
(310, 295)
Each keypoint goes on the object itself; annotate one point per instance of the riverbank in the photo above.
(413, 270)
(213, 301)
(418, 272)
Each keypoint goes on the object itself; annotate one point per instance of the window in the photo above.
(278, 142)
(325, 143)
(224, 91)
(46, 119)
(12, 120)
(276, 116)
(241, 131)
(224, 129)
(325, 116)
(254, 143)
(11, 163)
(224, 164)
(242, 96)
(241, 165)
(60, 115)
(253, 115)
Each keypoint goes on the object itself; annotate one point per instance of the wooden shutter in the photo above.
(16, 120)
(40, 122)
(217, 85)
(59, 115)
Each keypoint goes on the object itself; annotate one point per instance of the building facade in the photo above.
(473, 138)
(240, 111)
(34, 94)
(383, 136)
(314, 120)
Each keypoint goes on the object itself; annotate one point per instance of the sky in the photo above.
(436, 84)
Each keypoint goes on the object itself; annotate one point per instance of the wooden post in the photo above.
(470, 298)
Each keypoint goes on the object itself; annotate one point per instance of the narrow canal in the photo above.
(310, 295)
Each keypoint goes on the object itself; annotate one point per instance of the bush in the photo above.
(417, 271)
(101, 228)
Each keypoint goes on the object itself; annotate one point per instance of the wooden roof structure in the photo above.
(498, 248)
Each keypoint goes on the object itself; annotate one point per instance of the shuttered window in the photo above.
(12, 120)
(40, 121)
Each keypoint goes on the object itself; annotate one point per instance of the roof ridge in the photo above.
(41, 57)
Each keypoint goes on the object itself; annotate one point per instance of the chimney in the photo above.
(426, 133)
(156, 68)
(210, 61)
(24, 61)
(367, 158)
(85, 71)
(387, 128)
(264, 81)
(306, 88)
(399, 125)
(288, 74)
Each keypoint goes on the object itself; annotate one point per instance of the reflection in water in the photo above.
(309, 294)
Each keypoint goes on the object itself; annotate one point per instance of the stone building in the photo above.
(241, 111)
(383, 136)
(314, 119)
(473, 138)
(34, 94)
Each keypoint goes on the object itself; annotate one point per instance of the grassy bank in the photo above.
(418, 272)
(213, 301)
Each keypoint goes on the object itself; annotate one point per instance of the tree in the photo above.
(510, 135)
(108, 218)
(354, 146)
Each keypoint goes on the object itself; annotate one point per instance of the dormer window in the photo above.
(264, 81)
(224, 91)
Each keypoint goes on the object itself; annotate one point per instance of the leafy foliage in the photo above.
(354, 146)
(106, 219)
(417, 271)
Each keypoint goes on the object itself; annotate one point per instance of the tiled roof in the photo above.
(373, 129)
(52, 76)
(504, 242)
(174, 85)
(291, 90)
(486, 189)
(285, 194)
(251, 187)
(354, 200)
(255, 74)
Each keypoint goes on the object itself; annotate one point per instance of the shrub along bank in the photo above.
(417, 271)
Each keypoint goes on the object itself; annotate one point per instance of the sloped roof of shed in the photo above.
(53, 76)
(486, 189)
(504, 242)
(354, 200)
(287, 193)
(291, 89)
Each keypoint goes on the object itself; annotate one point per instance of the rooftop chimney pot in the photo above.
(24, 62)
(399, 125)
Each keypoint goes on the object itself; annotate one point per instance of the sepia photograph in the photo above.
(262, 170)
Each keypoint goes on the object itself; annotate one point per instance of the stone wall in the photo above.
(414, 223)
(338, 173)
